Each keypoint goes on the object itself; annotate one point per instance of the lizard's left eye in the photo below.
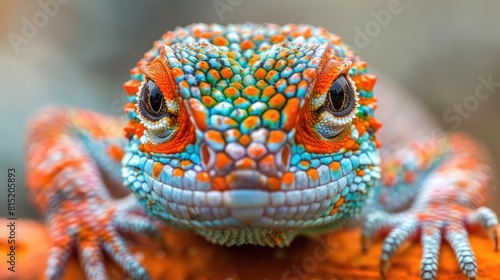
(338, 109)
(340, 97)
(153, 101)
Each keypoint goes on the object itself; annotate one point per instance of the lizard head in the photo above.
(251, 128)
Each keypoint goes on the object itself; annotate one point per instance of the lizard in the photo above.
(249, 134)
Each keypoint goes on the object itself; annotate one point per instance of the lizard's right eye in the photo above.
(153, 101)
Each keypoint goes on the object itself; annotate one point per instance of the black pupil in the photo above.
(338, 92)
(155, 96)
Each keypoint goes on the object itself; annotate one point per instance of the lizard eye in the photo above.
(340, 100)
(153, 101)
(338, 109)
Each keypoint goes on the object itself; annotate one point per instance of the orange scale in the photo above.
(295, 33)
(232, 133)
(273, 183)
(142, 62)
(309, 74)
(131, 87)
(215, 136)
(135, 71)
(215, 74)
(290, 90)
(185, 164)
(177, 72)
(288, 178)
(245, 163)
(247, 44)
(196, 32)
(220, 41)
(222, 161)
(231, 92)
(178, 172)
(115, 152)
(203, 177)
(219, 184)
(251, 122)
(365, 82)
(375, 124)
(335, 166)
(280, 64)
(276, 136)
(277, 101)
(157, 168)
(240, 101)
(261, 84)
(226, 73)
(278, 38)
(206, 35)
(251, 91)
(291, 110)
(268, 92)
(313, 174)
(307, 32)
(260, 73)
(359, 64)
(258, 37)
(237, 85)
(202, 65)
(254, 59)
(129, 107)
(349, 144)
(256, 150)
(245, 140)
(271, 115)
(208, 101)
(304, 163)
(360, 127)
(270, 76)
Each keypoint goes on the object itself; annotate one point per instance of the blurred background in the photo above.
(78, 53)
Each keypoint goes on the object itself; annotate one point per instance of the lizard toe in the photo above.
(393, 242)
(377, 222)
(485, 217)
(92, 260)
(116, 247)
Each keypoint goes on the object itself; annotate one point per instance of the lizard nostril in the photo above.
(283, 158)
(207, 157)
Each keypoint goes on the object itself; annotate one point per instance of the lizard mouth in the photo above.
(255, 208)
(248, 203)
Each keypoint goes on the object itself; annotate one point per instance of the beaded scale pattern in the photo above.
(249, 134)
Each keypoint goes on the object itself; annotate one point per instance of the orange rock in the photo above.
(188, 256)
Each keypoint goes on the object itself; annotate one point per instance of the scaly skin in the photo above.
(249, 134)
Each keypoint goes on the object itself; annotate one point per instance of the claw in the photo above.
(366, 241)
(493, 233)
(487, 219)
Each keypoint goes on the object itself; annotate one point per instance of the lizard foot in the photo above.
(92, 229)
(431, 226)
